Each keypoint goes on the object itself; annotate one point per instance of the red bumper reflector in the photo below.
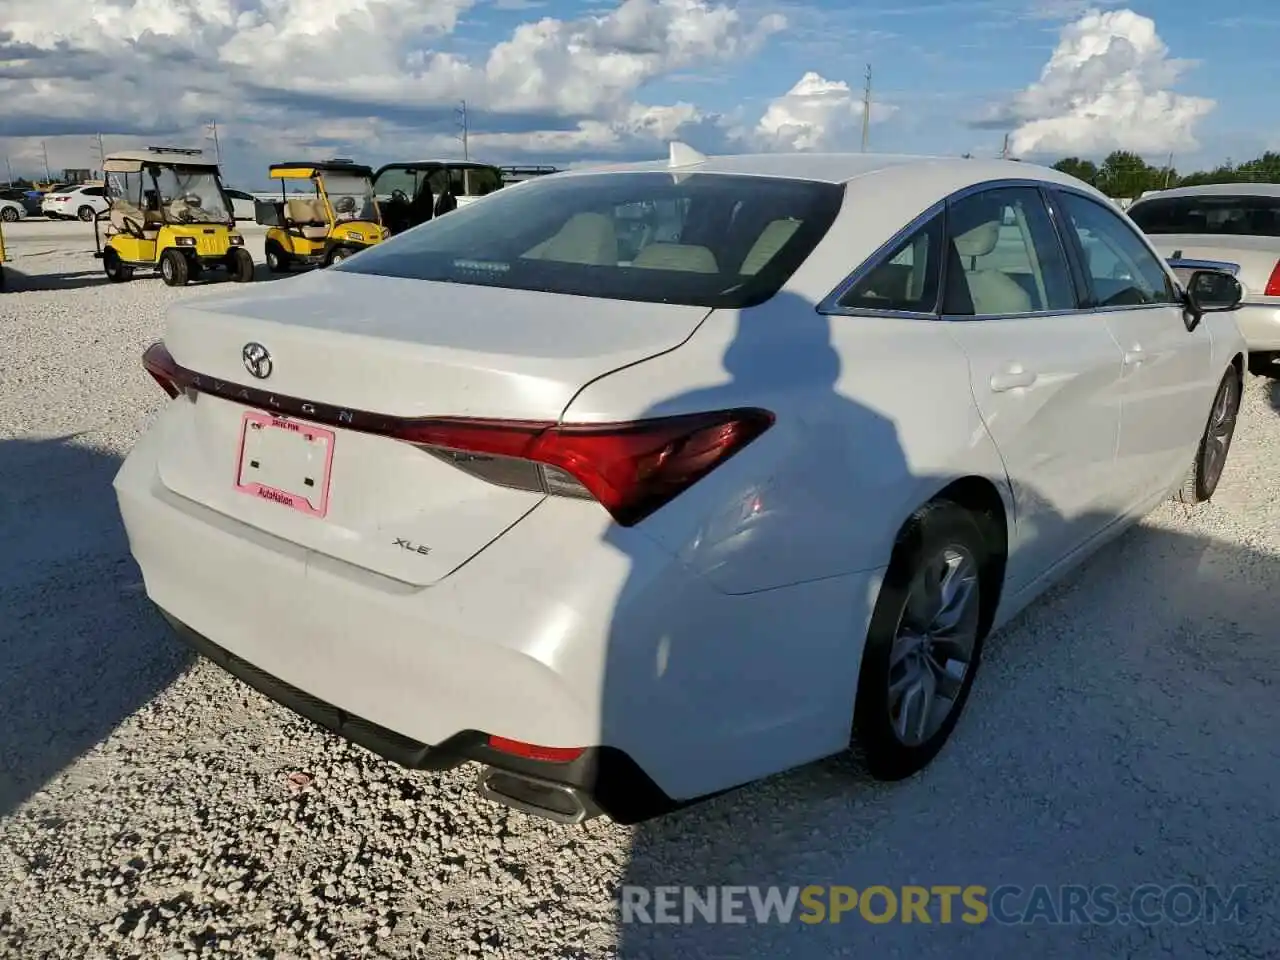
(534, 752)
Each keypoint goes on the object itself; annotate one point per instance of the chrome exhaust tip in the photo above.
(536, 797)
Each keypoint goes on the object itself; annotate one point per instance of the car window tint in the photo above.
(92, 192)
(906, 279)
(1121, 269)
(1209, 214)
(1004, 256)
(712, 240)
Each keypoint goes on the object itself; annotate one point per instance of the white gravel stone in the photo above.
(1123, 731)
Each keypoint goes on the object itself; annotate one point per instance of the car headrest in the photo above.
(979, 241)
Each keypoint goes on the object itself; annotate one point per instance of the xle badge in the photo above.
(412, 547)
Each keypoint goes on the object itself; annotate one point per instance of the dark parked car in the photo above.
(30, 199)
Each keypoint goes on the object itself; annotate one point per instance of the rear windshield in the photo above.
(1223, 215)
(708, 240)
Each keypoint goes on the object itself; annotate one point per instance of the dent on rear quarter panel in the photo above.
(874, 416)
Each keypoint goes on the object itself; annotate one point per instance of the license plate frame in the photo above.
(313, 463)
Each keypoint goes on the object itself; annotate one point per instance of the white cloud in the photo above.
(1106, 87)
(815, 114)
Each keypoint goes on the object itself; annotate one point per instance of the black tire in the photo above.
(1215, 443)
(117, 272)
(240, 265)
(9, 215)
(87, 213)
(277, 259)
(1264, 364)
(337, 255)
(174, 269)
(937, 530)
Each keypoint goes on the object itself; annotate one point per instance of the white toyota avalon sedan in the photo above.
(636, 484)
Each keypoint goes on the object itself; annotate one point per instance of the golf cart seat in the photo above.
(309, 217)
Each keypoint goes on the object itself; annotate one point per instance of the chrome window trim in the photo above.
(830, 306)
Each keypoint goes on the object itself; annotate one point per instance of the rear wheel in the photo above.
(924, 643)
(86, 213)
(9, 215)
(277, 259)
(173, 268)
(1264, 364)
(117, 272)
(240, 265)
(1211, 456)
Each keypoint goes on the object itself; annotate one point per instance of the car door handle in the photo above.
(1012, 378)
(1134, 356)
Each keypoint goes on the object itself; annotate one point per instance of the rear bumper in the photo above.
(566, 632)
(1260, 326)
(608, 778)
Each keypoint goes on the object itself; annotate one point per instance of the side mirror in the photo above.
(1210, 291)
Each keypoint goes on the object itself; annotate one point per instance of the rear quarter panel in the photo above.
(874, 417)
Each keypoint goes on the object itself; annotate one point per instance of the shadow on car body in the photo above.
(1156, 696)
(81, 649)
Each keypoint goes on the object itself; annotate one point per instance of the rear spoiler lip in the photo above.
(1179, 263)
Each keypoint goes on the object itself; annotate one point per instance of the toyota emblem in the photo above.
(256, 360)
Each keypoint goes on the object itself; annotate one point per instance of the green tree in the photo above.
(1125, 174)
(1085, 170)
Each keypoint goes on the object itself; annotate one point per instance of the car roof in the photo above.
(1215, 190)
(842, 167)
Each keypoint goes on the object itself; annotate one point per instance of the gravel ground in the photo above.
(1123, 731)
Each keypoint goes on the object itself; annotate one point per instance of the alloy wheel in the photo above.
(1217, 438)
(934, 645)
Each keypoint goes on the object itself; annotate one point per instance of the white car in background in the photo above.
(636, 485)
(1233, 227)
(11, 211)
(83, 202)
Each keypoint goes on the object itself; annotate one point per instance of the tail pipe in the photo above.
(536, 797)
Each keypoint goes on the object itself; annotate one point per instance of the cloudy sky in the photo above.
(562, 81)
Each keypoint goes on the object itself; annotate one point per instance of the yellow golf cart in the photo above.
(330, 214)
(168, 212)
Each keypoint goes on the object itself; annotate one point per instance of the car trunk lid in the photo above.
(1251, 259)
(316, 470)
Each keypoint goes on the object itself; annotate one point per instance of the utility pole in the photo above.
(462, 125)
(1004, 149)
(44, 149)
(866, 110)
(1168, 172)
(212, 134)
(9, 167)
(100, 151)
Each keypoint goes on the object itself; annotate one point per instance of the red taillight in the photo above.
(163, 368)
(1273, 282)
(632, 469)
(533, 752)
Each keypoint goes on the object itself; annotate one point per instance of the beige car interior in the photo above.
(992, 290)
(592, 239)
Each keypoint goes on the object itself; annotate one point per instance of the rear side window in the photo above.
(711, 240)
(1004, 256)
(1211, 215)
(92, 192)
(905, 280)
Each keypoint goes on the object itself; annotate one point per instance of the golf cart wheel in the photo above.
(337, 255)
(174, 270)
(9, 215)
(1215, 443)
(924, 643)
(240, 265)
(116, 271)
(87, 213)
(277, 259)
(1264, 364)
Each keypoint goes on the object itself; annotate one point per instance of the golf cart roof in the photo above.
(307, 169)
(435, 165)
(132, 161)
